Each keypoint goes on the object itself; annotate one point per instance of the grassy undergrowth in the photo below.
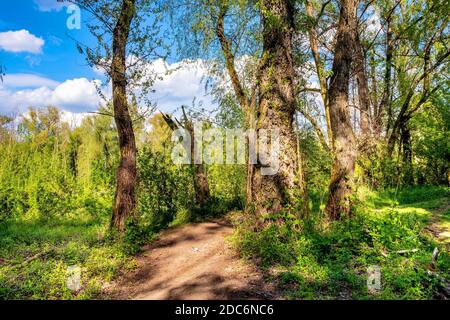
(35, 253)
(331, 263)
(35, 256)
(313, 263)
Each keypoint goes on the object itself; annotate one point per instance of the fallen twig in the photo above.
(406, 251)
(34, 257)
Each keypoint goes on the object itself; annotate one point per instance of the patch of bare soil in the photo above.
(438, 227)
(193, 262)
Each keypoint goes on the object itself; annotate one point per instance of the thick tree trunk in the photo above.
(201, 185)
(340, 189)
(124, 202)
(277, 101)
(250, 166)
(374, 96)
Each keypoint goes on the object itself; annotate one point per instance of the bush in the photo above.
(332, 262)
(164, 188)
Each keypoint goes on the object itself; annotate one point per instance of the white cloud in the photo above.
(180, 85)
(373, 23)
(25, 80)
(21, 41)
(77, 95)
(175, 84)
(49, 5)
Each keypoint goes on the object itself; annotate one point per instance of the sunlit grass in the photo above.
(386, 230)
(35, 256)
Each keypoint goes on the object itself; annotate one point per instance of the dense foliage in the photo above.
(386, 149)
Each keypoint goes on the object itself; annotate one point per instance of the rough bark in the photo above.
(340, 188)
(250, 115)
(271, 106)
(374, 95)
(277, 97)
(124, 201)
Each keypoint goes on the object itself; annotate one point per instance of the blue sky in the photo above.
(44, 67)
(60, 59)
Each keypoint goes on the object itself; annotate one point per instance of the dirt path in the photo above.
(193, 262)
(439, 225)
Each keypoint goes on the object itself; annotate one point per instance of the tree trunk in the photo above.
(340, 188)
(277, 102)
(124, 202)
(320, 70)
(386, 98)
(363, 92)
(201, 185)
(247, 104)
(407, 171)
(250, 166)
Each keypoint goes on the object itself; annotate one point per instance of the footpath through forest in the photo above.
(194, 262)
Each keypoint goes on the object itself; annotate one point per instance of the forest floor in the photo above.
(196, 261)
(395, 230)
(439, 225)
(193, 262)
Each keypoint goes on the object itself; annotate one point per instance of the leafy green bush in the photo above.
(164, 188)
(332, 262)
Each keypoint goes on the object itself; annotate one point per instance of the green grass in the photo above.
(331, 263)
(316, 263)
(62, 243)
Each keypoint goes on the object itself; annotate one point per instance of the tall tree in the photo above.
(363, 90)
(320, 68)
(124, 201)
(268, 95)
(246, 100)
(340, 188)
(419, 61)
(127, 34)
(277, 105)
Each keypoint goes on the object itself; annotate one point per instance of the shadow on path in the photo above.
(193, 262)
